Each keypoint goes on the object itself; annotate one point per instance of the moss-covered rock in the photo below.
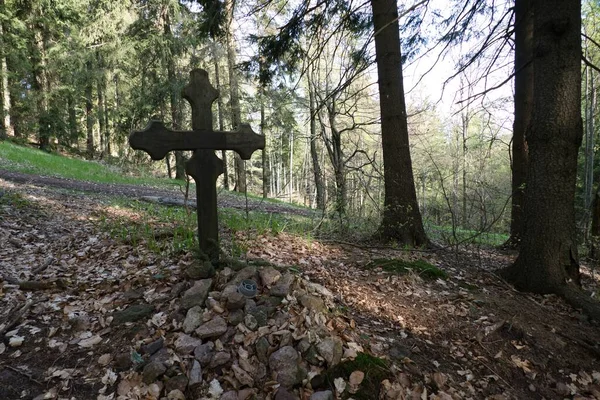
(375, 369)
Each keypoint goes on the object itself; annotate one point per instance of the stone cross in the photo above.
(204, 166)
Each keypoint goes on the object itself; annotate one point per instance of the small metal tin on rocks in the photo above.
(248, 288)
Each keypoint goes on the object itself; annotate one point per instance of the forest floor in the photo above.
(467, 335)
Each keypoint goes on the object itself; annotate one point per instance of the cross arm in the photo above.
(157, 140)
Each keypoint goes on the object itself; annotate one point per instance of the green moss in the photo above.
(15, 200)
(401, 267)
(375, 369)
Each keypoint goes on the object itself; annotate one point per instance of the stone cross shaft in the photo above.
(204, 166)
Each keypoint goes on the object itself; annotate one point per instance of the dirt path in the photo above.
(163, 195)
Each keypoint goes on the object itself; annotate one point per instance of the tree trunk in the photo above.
(173, 94)
(319, 185)
(265, 171)
(5, 125)
(41, 84)
(73, 130)
(240, 171)
(589, 146)
(401, 217)
(548, 260)
(101, 109)
(15, 111)
(89, 115)
(220, 108)
(523, 109)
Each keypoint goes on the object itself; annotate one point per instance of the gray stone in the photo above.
(123, 362)
(311, 356)
(262, 349)
(132, 313)
(233, 299)
(272, 301)
(325, 395)
(331, 349)
(175, 395)
(269, 276)
(195, 374)
(204, 353)
(230, 395)
(251, 322)
(261, 313)
(193, 319)
(244, 273)
(185, 344)
(285, 363)
(319, 289)
(220, 358)
(178, 288)
(283, 286)
(153, 347)
(152, 371)
(178, 382)
(303, 345)
(200, 271)
(197, 294)
(313, 303)
(213, 328)
(235, 317)
(161, 356)
(283, 394)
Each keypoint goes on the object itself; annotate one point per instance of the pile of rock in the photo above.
(227, 345)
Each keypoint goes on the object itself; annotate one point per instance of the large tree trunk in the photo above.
(41, 84)
(548, 260)
(523, 109)
(401, 217)
(240, 171)
(5, 125)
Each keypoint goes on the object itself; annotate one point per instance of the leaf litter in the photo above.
(65, 281)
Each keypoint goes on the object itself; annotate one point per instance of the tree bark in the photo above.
(548, 260)
(89, 115)
(240, 171)
(320, 186)
(401, 216)
(100, 88)
(523, 108)
(265, 171)
(5, 125)
(173, 94)
(41, 83)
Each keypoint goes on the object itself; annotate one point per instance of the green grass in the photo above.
(162, 229)
(15, 200)
(401, 267)
(173, 229)
(33, 161)
(443, 234)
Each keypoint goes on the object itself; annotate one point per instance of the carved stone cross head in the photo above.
(204, 166)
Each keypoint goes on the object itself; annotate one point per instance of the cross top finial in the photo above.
(200, 94)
